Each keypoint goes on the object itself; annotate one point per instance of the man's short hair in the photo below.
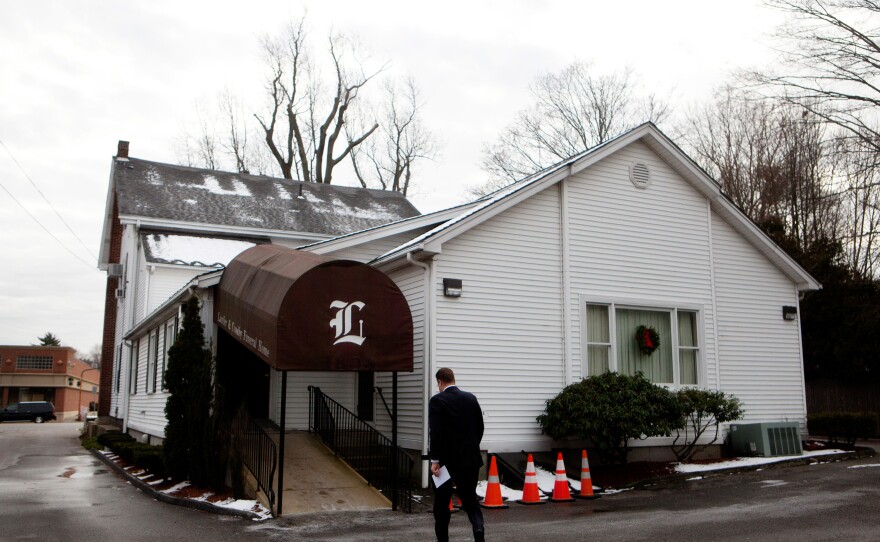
(446, 375)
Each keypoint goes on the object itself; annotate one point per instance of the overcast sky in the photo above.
(77, 76)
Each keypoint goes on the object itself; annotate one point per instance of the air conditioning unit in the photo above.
(115, 270)
(766, 439)
(120, 293)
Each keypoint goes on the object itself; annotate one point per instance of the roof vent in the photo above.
(640, 175)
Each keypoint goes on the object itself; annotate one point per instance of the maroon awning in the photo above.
(299, 311)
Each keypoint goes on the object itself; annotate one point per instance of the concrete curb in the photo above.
(675, 478)
(164, 497)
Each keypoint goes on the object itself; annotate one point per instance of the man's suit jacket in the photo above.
(456, 429)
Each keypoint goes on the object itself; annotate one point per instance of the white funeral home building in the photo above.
(521, 293)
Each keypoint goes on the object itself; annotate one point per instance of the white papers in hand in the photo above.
(441, 478)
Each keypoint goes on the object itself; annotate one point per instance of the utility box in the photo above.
(766, 439)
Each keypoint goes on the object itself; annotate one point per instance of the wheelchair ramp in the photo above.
(315, 480)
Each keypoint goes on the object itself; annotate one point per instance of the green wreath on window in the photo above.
(648, 339)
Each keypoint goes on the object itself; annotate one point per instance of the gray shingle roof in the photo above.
(170, 192)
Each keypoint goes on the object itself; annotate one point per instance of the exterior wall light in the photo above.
(452, 287)
(789, 312)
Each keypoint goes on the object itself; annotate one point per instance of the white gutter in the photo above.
(427, 358)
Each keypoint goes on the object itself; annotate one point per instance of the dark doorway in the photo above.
(243, 378)
(366, 384)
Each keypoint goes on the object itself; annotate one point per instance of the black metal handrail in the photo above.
(365, 449)
(258, 452)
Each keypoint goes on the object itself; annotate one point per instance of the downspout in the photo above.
(797, 296)
(714, 286)
(132, 316)
(568, 362)
(427, 359)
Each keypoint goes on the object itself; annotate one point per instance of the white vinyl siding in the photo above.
(650, 245)
(166, 280)
(146, 411)
(339, 386)
(503, 337)
(410, 386)
(760, 352)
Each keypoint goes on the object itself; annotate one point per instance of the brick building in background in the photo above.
(48, 373)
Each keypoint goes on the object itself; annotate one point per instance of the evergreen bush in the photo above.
(609, 410)
(844, 427)
(106, 439)
(189, 437)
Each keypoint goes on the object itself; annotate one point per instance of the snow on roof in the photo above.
(182, 194)
(192, 249)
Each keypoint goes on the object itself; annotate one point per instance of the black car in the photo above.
(35, 411)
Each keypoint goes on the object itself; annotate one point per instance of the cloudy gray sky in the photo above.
(76, 76)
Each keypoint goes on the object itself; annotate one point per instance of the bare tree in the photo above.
(199, 147)
(858, 174)
(732, 139)
(831, 63)
(302, 125)
(92, 357)
(772, 159)
(388, 158)
(314, 118)
(573, 110)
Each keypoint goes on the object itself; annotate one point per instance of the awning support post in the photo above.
(281, 442)
(394, 452)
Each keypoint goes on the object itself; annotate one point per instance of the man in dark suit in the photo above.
(455, 420)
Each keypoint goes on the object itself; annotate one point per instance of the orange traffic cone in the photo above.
(586, 491)
(493, 490)
(531, 495)
(560, 489)
(454, 508)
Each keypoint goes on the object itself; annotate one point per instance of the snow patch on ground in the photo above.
(868, 466)
(247, 506)
(176, 488)
(748, 462)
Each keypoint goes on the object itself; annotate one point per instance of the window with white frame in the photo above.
(118, 367)
(611, 343)
(170, 337)
(133, 364)
(152, 357)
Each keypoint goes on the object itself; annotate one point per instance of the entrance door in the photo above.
(243, 376)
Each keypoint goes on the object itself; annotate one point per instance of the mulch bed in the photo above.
(616, 476)
(163, 484)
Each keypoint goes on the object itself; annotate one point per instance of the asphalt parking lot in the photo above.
(52, 489)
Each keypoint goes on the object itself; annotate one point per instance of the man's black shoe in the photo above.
(479, 536)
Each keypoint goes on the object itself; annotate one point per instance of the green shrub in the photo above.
(150, 459)
(702, 409)
(107, 439)
(124, 449)
(190, 449)
(90, 443)
(609, 410)
(843, 426)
